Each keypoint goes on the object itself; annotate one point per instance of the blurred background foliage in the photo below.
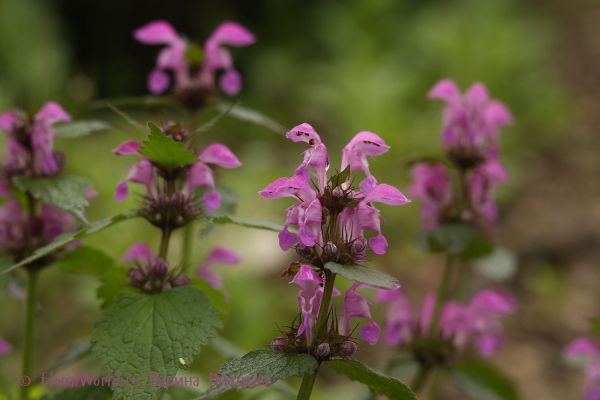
(342, 66)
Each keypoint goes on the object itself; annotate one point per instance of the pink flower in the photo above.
(431, 185)
(4, 347)
(471, 121)
(481, 185)
(30, 140)
(218, 255)
(587, 351)
(355, 155)
(356, 305)
(194, 73)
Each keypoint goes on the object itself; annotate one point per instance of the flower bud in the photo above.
(147, 287)
(162, 201)
(337, 193)
(350, 195)
(359, 245)
(167, 286)
(347, 349)
(323, 349)
(136, 277)
(330, 249)
(279, 344)
(178, 200)
(181, 280)
(159, 270)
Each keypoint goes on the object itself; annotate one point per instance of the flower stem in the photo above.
(441, 295)
(307, 385)
(164, 242)
(29, 328)
(420, 378)
(325, 303)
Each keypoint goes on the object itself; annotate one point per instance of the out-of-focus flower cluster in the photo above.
(470, 134)
(194, 67)
(586, 352)
(476, 323)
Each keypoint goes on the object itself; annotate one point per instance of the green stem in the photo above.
(164, 243)
(307, 385)
(325, 303)
(441, 295)
(420, 379)
(188, 236)
(29, 328)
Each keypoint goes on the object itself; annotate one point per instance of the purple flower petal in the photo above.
(220, 155)
(130, 147)
(304, 133)
(582, 347)
(358, 306)
(158, 81)
(156, 32)
(445, 90)
(51, 113)
(231, 82)
(218, 255)
(386, 194)
(139, 252)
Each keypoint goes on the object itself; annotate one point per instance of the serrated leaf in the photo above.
(140, 334)
(340, 178)
(263, 363)
(249, 115)
(258, 224)
(70, 237)
(113, 282)
(361, 274)
(453, 238)
(480, 380)
(378, 383)
(88, 392)
(165, 151)
(65, 192)
(88, 260)
(81, 128)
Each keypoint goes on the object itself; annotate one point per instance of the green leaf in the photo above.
(165, 151)
(263, 363)
(480, 380)
(70, 237)
(65, 192)
(378, 383)
(453, 238)
(140, 334)
(81, 128)
(113, 282)
(88, 392)
(249, 115)
(258, 224)
(86, 259)
(364, 275)
(340, 178)
(478, 247)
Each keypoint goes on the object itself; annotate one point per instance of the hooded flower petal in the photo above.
(200, 175)
(582, 348)
(220, 155)
(386, 194)
(228, 33)
(356, 305)
(445, 90)
(304, 133)
(355, 155)
(218, 255)
(10, 121)
(431, 185)
(140, 252)
(156, 32)
(140, 172)
(42, 136)
(130, 147)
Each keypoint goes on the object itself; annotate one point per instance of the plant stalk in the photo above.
(441, 295)
(164, 243)
(32, 288)
(307, 385)
(326, 302)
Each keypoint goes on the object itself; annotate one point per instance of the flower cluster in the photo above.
(165, 205)
(470, 130)
(586, 351)
(29, 140)
(26, 226)
(151, 273)
(332, 217)
(194, 68)
(476, 322)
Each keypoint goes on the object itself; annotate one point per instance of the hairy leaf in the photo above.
(65, 192)
(140, 334)
(378, 383)
(361, 274)
(86, 259)
(165, 151)
(249, 115)
(81, 128)
(480, 380)
(262, 363)
(70, 237)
